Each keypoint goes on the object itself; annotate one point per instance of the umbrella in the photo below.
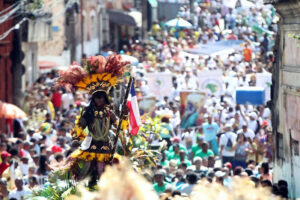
(10, 111)
(133, 60)
(179, 23)
(47, 64)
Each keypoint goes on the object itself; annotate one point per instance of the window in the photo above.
(93, 25)
(296, 147)
(279, 146)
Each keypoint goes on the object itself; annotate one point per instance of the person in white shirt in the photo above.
(227, 141)
(253, 122)
(21, 192)
(67, 99)
(191, 179)
(248, 133)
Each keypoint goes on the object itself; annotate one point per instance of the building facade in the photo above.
(6, 47)
(286, 97)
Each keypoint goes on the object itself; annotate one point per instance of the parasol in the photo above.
(10, 111)
(133, 60)
(179, 23)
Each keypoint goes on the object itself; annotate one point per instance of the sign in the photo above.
(265, 80)
(160, 84)
(147, 106)
(230, 3)
(211, 82)
(191, 108)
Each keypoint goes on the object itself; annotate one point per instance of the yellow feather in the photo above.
(87, 80)
(113, 81)
(81, 84)
(107, 77)
(94, 78)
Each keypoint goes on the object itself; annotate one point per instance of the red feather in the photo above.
(69, 77)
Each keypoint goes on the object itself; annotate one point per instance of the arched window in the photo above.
(93, 25)
(84, 24)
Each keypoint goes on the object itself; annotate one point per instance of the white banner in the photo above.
(265, 80)
(210, 82)
(159, 84)
(230, 3)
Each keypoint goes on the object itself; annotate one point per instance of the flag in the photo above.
(134, 114)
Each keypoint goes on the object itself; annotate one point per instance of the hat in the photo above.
(160, 172)
(197, 158)
(228, 165)
(220, 174)
(97, 74)
(228, 126)
(5, 154)
(176, 139)
(27, 143)
(37, 136)
(56, 149)
(253, 115)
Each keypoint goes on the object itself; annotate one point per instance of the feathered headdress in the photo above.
(96, 74)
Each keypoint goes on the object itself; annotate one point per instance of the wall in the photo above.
(286, 98)
(95, 28)
(168, 10)
(6, 90)
(56, 45)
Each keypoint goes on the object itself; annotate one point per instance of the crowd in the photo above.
(228, 139)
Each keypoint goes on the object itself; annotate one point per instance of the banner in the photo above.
(191, 108)
(265, 80)
(147, 106)
(230, 3)
(159, 84)
(211, 82)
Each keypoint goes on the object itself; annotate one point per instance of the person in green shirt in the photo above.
(175, 154)
(183, 159)
(164, 161)
(176, 140)
(159, 183)
(205, 152)
(197, 146)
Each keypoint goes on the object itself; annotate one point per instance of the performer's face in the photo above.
(99, 101)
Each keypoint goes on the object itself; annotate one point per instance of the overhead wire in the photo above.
(8, 8)
(10, 13)
(16, 26)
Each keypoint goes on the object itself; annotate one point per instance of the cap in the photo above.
(160, 172)
(228, 165)
(197, 158)
(253, 115)
(5, 154)
(176, 139)
(56, 149)
(27, 143)
(37, 136)
(220, 174)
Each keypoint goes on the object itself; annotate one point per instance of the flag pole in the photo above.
(131, 80)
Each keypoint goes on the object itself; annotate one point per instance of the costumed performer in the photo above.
(92, 127)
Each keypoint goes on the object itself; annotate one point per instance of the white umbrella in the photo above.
(131, 59)
(179, 23)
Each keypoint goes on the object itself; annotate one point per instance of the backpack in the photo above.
(229, 144)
